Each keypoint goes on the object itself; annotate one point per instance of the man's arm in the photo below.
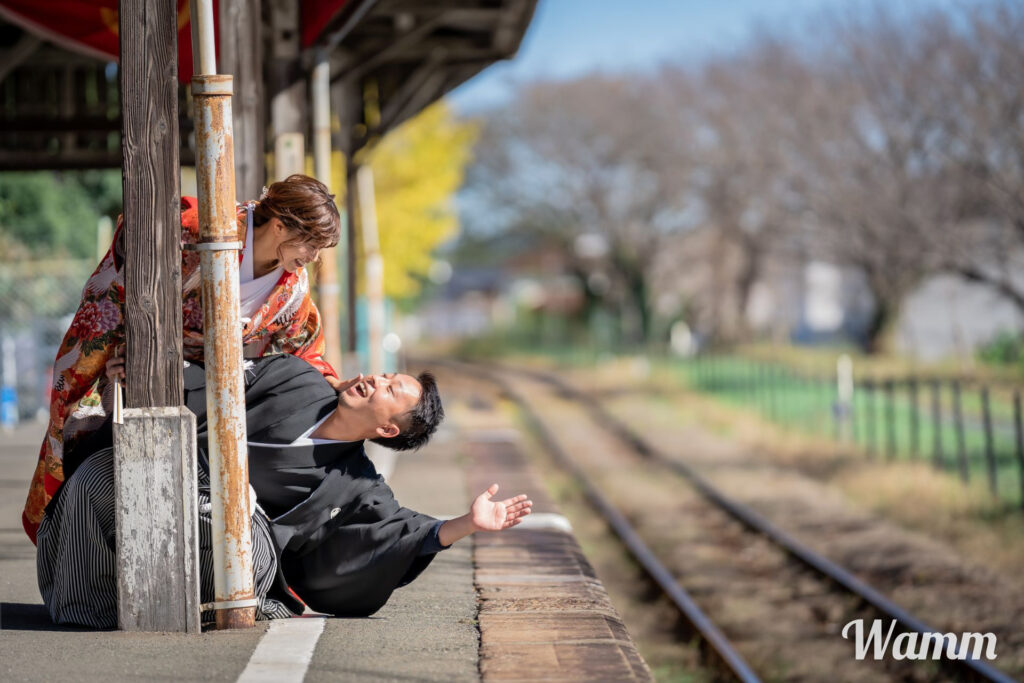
(485, 515)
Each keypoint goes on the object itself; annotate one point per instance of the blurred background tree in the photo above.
(417, 170)
(54, 215)
(883, 141)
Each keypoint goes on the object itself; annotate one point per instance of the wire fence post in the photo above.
(890, 420)
(762, 389)
(936, 423)
(824, 392)
(869, 414)
(915, 419)
(856, 414)
(755, 385)
(773, 388)
(958, 427)
(1018, 433)
(990, 456)
(845, 411)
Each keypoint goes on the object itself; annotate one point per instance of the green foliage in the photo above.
(55, 214)
(32, 289)
(1006, 348)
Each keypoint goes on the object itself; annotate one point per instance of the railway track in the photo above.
(722, 653)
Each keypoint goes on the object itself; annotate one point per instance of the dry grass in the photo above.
(914, 495)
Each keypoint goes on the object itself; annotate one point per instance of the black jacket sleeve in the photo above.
(346, 548)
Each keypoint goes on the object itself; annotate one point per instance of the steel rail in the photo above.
(975, 669)
(720, 648)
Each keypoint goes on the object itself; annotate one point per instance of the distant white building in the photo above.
(949, 316)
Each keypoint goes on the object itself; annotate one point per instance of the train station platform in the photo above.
(523, 604)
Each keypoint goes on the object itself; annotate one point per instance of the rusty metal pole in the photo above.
(234, 597)
(327, 270)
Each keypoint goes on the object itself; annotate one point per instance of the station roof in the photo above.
(58, 94)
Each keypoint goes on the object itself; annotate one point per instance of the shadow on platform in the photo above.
(23, 616)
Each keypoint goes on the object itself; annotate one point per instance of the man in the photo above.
(343, 542)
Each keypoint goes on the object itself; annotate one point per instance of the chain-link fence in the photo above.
(37, 300)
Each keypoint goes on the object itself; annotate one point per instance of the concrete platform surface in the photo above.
(523, 604)
(427, 632)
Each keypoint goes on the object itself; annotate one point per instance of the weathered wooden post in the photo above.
(348, 103)
(327, 271)
(154, 447)
(234, 597)
(288, 94)
(239, 28)
(374, 269)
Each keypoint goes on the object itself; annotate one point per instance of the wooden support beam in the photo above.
(345, 23)
(149, 102)
(348, 103)
(156, 522)
(397, 44)
(352, 259)
(14, 57)
(158, 581)
(373, 269)
(415, 92)
(327, 270)
(288, 99)
(241, 55)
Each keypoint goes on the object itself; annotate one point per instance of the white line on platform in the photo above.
(284, 652)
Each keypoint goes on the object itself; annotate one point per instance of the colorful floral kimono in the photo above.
(288, 322)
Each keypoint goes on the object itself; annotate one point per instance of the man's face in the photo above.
(378, 401)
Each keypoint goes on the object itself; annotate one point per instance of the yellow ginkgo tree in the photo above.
(417, 169)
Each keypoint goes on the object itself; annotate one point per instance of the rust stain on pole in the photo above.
(229, 471)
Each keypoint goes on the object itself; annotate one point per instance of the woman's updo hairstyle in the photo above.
(305, 206)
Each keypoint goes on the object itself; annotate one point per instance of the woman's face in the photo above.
(295, 255)
(290, 252)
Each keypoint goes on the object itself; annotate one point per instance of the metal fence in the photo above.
(37, 300)
(961, 424)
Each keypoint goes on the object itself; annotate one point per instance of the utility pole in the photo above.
(154, 447)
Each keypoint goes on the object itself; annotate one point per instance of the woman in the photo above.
(284, 230)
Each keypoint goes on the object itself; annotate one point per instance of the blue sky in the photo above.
(571, 37)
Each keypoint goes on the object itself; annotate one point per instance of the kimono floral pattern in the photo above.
(288, 322)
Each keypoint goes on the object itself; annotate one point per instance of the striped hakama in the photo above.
(76, 560)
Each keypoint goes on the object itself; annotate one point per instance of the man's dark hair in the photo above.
(420, 422)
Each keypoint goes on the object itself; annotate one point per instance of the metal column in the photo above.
(234, 599)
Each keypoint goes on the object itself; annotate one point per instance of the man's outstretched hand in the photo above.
(486, 515)
(495, 515)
